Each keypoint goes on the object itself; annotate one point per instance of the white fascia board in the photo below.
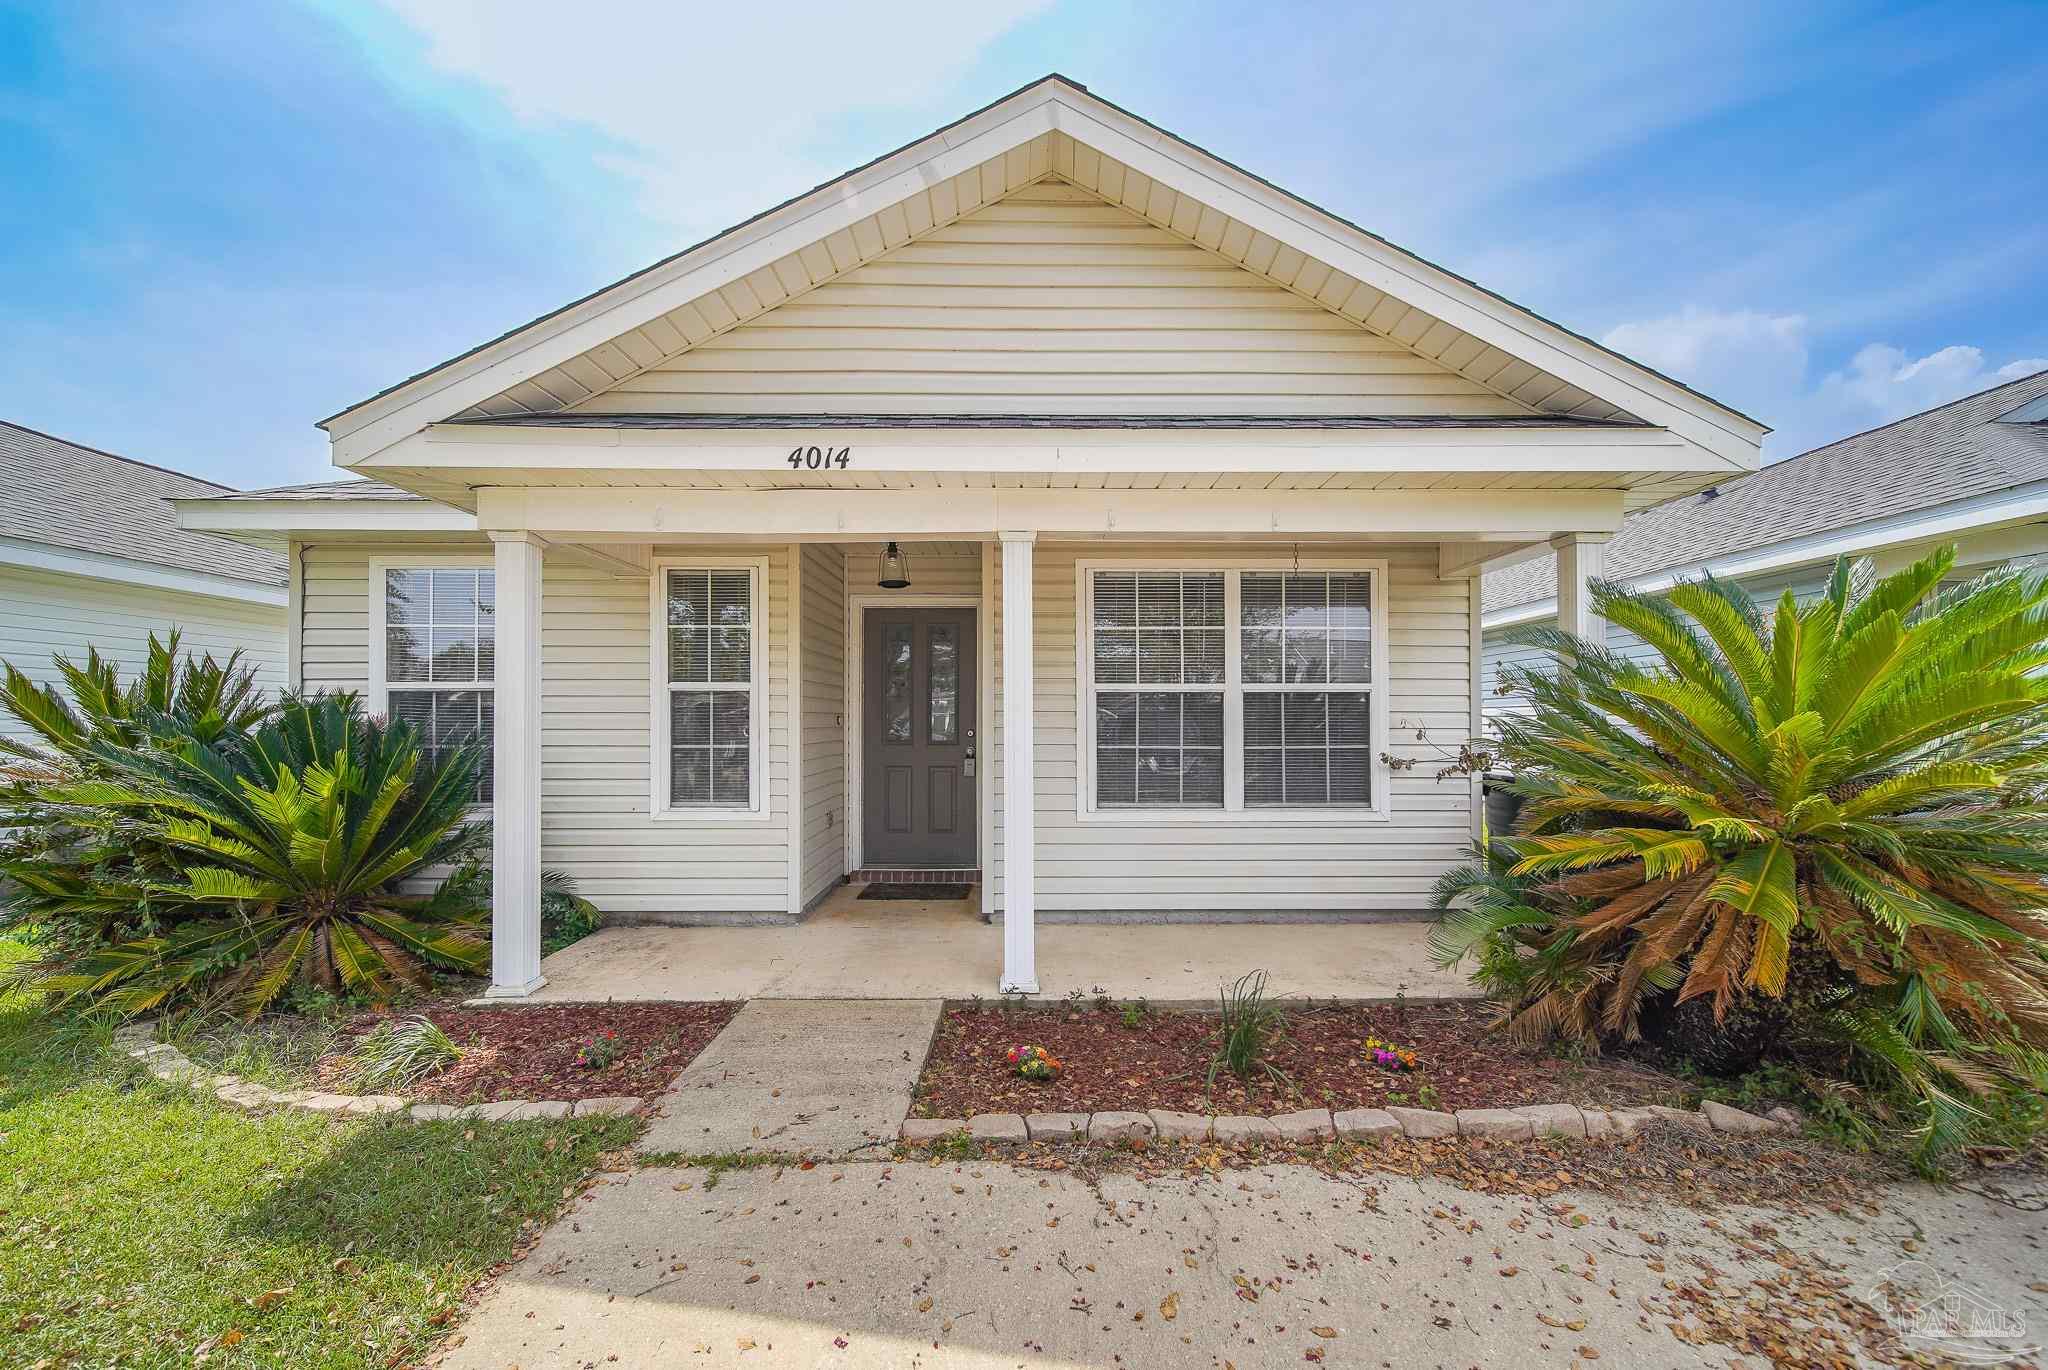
(1408, 278)
(41, 556)
(309, 518)
(360, 432)
(1998, 509)
(482, 448)
(587, 513)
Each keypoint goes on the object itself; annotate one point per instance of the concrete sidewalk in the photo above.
(854, 949)
(876, 1266)
(817, 1077)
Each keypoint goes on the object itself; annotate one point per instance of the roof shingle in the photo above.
(1916, 463)
(65, 495)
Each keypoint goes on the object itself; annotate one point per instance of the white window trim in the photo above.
(380, 686)
(1234, 811)
(758, 807)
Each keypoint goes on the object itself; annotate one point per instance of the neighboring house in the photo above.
(1974, 473)
(91, 554)
(1194, 481)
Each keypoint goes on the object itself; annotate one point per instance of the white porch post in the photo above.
(1581, 558)
(515, 809)
(1020, 898)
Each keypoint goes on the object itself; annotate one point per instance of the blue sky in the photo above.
(225, 221)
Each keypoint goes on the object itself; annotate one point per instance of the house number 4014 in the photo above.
(819, 458)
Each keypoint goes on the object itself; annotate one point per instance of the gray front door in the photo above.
(918, 738)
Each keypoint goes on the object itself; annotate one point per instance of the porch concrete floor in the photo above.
(913, 949)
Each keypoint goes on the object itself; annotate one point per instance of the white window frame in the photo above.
(1234, 810)
(757, 807)
(380, 684)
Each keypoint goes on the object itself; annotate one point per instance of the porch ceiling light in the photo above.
(895, 574)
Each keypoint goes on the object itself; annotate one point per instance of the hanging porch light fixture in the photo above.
(895, 573)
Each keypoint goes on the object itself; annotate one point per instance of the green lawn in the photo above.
(141, 1223)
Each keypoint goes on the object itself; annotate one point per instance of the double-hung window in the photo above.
(437, 654)
(1233, 688)
(708, 689)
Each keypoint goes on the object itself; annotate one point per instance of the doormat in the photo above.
(890, 891)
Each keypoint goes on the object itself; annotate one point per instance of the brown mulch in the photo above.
(1164, 1063)
(529, 1052)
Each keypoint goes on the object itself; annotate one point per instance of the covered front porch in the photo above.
(1034, 728)
(866, 949)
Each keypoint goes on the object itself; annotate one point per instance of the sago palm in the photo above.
(171, 698)
(289, 839)
(1852, 787)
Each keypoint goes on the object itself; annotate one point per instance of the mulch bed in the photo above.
(1164, 1063)
(530, 1052)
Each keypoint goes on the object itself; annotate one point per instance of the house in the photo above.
(91, 554)
(1047, 502)
(1973, 472)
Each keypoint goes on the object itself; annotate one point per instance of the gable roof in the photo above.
(64, 494)
(1053, 127)
(1971, 447)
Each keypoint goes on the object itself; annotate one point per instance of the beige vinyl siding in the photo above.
(596, 730)
(1239, 863)
(1050, 301)
(822, 763)
(44, 614)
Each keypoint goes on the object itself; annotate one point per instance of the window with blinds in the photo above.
(440, 657)
(712, 690)
(1224, 689)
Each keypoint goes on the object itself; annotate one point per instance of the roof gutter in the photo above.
(65, 561)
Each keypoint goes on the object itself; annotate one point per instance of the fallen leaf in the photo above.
(1329, 1332)
(1169, 1307)
(746, 1343)
(1588, 1353)
(924, 1305)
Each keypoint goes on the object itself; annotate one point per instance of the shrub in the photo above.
(566, 917)
(213, 867)
(397, 1055)
(1250, 1026)
(1829, 815)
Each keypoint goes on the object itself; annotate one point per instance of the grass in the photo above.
(141, 1223)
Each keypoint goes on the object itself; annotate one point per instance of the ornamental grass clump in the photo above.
(1250, 1025)
(1826, 816)
(398, 1055)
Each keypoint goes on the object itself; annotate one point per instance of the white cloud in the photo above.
(715, 110)
(1760, 363)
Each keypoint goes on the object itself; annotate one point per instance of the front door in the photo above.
(918, 738)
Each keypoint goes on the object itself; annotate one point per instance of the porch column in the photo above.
(515, 807)
(1020, 897)
(1581, 559)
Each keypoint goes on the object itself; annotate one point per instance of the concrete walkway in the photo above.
(818, 1077)
(859, 949)
(876, 1266)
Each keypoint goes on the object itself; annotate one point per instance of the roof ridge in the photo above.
(116, 456)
